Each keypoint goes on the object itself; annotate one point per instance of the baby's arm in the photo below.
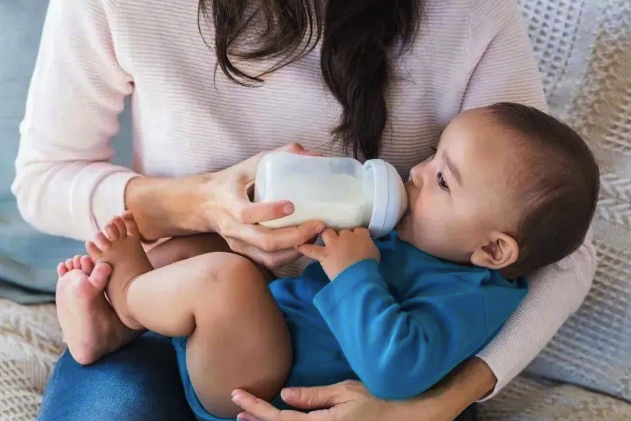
(401, 349)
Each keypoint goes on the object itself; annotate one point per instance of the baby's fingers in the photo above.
(312, 251)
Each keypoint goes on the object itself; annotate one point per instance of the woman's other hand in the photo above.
(346, 401)
(351, 401)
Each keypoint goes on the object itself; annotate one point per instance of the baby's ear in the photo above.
(499, 252)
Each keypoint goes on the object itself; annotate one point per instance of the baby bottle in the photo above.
(341, 192)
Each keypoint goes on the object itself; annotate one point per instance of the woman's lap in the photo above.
(140, 382)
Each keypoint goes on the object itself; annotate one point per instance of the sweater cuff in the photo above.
(329, 296)
(108, 197)
(488, 357)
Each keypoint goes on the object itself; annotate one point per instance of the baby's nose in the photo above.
(416, 177)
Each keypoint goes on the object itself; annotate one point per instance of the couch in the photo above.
(584, 53)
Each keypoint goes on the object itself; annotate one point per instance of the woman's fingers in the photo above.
(279, 239)
(249, 167)
(292, 148)
(318, 397)
(247, 212)
(271, 260)
(245, 416)
(256, 408)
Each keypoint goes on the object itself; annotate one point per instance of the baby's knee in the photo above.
(238, 270)
(229, 275)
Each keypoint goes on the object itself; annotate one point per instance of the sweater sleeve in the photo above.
(400, 349)
(555, 293)
(77, 92)
(504, 69)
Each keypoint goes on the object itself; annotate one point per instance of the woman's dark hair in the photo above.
(556, 188)
(360, 40)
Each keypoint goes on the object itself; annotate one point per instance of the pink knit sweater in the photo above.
(95, 52)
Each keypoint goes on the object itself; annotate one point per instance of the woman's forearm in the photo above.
(556, 292)
(166, 207)
(466, 384)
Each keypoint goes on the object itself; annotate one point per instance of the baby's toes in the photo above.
(130, 223)
(87, 265)
(120, 225)
(61, 269)
(93, 250)
(76, 262)
(112, 232)
(69, 264)
(102, 242)
(100, 276)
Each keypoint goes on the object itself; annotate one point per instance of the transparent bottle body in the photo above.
(336, 191)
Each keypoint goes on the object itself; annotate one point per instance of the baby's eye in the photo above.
(442, 183)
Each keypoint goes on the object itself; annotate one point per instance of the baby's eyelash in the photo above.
(442, 182)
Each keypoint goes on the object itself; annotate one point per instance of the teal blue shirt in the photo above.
(405, 322)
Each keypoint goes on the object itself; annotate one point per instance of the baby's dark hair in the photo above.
(556, 187)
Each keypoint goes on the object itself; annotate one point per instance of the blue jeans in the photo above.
(140, 382)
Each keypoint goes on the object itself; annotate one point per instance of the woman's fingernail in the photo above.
(320, 228)
(288, 209)
(287, 394)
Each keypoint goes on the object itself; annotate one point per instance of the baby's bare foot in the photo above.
(122, 250)
(90, 325)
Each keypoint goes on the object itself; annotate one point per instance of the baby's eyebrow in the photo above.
(453, 169)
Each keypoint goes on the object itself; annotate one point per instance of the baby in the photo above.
(508, 191)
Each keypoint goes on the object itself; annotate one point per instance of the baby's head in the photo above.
(509, 188)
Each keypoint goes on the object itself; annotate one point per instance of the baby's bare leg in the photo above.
(237, 335)
(182, 248)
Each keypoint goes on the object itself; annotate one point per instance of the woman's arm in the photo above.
(350, 401)
(63, 171)
(504, 69)
(555, 293)
(74, 100)
(65, 183)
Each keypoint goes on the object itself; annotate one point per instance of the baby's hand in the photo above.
(341, 250)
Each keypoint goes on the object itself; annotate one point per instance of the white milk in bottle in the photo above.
(341, 192)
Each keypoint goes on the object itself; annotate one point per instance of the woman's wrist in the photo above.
(167, 207)
(466, 384)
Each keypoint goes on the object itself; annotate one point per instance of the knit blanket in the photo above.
(584, 52)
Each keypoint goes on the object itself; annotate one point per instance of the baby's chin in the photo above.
(404, 228)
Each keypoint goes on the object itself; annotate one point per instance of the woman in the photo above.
(380, 77)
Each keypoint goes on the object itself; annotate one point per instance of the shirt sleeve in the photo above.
(503, 68)
(400, 349)
(76, 94)
(555, 293)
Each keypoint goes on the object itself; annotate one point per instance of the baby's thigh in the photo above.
(241, 341)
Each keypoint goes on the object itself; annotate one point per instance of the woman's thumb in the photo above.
(311, 397)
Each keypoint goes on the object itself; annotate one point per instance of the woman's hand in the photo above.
(346, 401)
(351, 401)
(229, 212)
(219, 202)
